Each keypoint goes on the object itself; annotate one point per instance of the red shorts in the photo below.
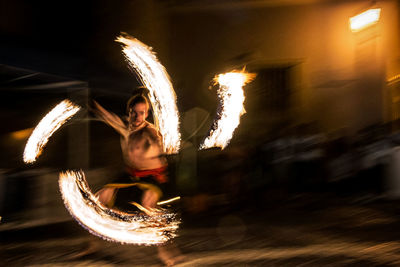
(159, 174)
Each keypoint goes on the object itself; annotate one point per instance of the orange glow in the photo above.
(21, 134)
(394, 78)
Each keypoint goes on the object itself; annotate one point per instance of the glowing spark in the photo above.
(231, 108)
(162, 96)
(112, 225)
(46, 127)
(365, 19)
(160, 203)
(149, 211)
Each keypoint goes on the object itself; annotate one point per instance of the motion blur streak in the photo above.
(46, 127)
(162, 96)
(113, 225)
(231, 97)
(168, 201)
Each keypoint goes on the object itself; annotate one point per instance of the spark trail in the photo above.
(231, 108)
(110, 224)
(46, 127)
(162, 96)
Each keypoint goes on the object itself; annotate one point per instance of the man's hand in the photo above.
(108, 117)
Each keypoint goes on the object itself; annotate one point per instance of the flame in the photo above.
(231, 96)
(46, 127)
(162, 96)
(113, 225)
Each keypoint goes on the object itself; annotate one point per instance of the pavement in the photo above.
(304, 230)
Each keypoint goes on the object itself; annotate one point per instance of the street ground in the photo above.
(305, 230)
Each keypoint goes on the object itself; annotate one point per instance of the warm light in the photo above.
(160, 203)
(21, 134)
(46, 127)
(154, 227)
(231, 99)
(161, 93)
(394, 78)
(365, 19)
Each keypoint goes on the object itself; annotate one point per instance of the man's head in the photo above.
(137, 109)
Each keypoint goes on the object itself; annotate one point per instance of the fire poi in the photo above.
(158, 225)
(46, 127)
(110, 224)
(231, 108)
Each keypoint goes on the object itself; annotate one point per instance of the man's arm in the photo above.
(155, 135)
(110, 118)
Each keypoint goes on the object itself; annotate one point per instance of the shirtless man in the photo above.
(142, 151)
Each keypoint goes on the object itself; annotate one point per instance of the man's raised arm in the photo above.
(110, 118)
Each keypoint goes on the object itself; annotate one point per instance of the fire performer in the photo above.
(142, 153)
(146, 165)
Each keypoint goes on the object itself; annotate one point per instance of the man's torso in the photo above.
(142, 148)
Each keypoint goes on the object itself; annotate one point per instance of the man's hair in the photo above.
(136, 99)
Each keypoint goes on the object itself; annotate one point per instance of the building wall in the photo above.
(339, 76)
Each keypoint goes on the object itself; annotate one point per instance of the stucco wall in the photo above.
(341, 75)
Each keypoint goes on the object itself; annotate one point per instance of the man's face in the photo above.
(138, 114)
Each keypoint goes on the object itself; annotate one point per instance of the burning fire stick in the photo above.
(162, 96)
(231, 96)
(112, 225)
(46, 127)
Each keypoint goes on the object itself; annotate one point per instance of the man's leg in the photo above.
(168, 253)
(149, 199)
(106, 195)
